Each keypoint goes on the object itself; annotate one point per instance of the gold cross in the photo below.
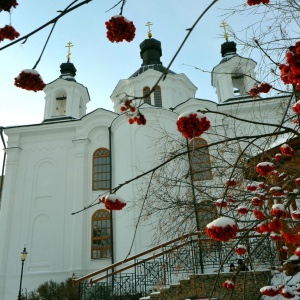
(69, 45)
(224, 25)
(149, 30)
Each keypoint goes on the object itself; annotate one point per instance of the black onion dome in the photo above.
(68, 71)
(150, 53)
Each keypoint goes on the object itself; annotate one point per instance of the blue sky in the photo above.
(101, 64)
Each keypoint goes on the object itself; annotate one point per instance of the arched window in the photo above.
(157, 97)
(101, 169)
(200, 160)
(146, 90)
(101, 234)
(60, 103)
(238, 84)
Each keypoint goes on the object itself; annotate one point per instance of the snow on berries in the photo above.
(119, 29)
(263, 185)
(286, 293)
(9, 33)
(257, 201)
(269, 290)
(251, 187)
(222, 229)
(264, 168)
(296, 215)
(278, 210)
(276, 191)
(242, 210)
(240, 249)
(30, 80)
(297, 252)
(192, 125)
(221, 203)
(275, 237)
(228, 284)
(287, 150)
(297, 181)
(256, 2)
(113, 202)
(231, 182)
(296, 108)
(278, 156)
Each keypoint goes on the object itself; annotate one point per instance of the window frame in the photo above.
(95, 237)
(157, 96)
(106, 174)
(146, 90)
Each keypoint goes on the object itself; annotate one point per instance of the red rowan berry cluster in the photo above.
(30, 80)
(134, 115)
(221, 203)
(270, 291)
(113, 202)
(296, 109)
(119, 29)
(251, 187)
(7, 4)
(192, 125)
(287, 150)
(255, 2)
(290, 71)
(278, 156)
(242, 210)
(287, 293)
(127, 107)
(231, 182)
(258, 214)
(222, 229)
(139, 119)
(262, 88)
(257, 201)
(240, 249)
(8, 32)
(264, 168)
(228, 284)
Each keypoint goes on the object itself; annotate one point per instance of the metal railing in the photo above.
(168, 263)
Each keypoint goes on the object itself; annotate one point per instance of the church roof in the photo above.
(156, 67)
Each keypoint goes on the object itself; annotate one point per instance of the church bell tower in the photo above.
(234, 76)
(65, 98)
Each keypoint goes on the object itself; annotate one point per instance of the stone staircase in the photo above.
(201, 286)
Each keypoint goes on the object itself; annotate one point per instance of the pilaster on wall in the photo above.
(79, 227)
(8, 197)
(200, 286)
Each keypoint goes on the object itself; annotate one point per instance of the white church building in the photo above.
(63, 164)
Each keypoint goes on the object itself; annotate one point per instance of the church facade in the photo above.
(57, 168)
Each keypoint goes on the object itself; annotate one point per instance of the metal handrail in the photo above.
(75, 281)
(139, 255)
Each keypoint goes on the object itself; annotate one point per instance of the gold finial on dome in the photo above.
(149, 29)
(69, 45)
(224, 25)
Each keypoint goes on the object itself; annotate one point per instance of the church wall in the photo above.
(175, 89)
(139, 152)
(52, 173)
